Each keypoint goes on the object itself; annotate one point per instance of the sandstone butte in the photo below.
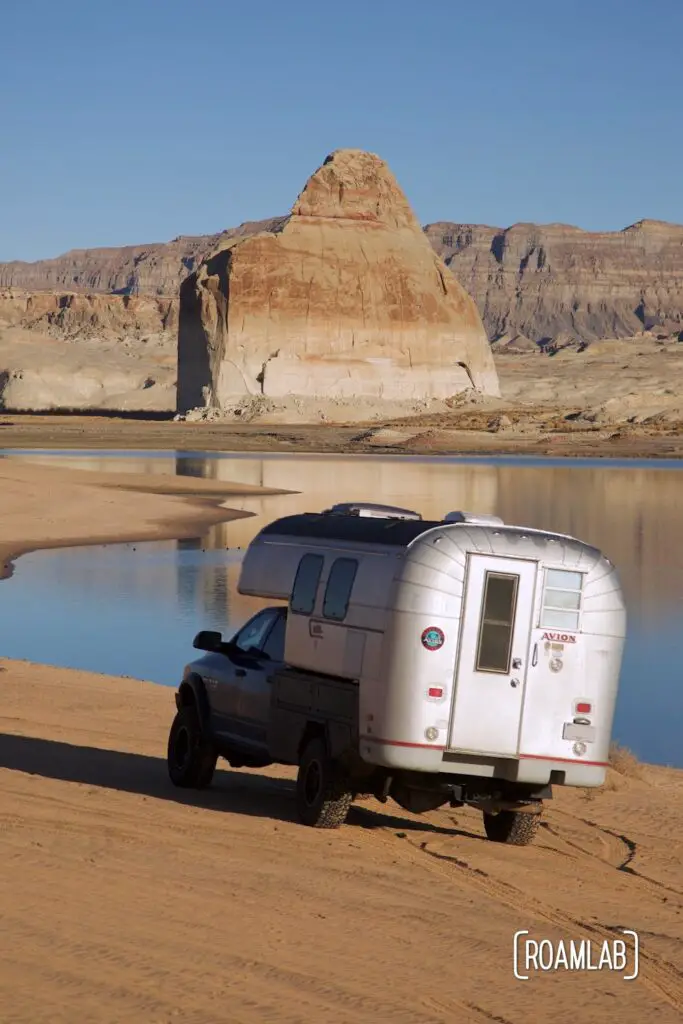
(345, 300)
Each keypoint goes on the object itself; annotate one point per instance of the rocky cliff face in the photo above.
(345, 300)
(75, 351)
(156, 269)
(550, 280)
(75, 315)
(537, 281)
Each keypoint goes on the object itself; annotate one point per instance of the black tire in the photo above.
(323, 796)
(516, 828)
(190, 757)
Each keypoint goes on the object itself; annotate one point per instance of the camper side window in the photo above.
(561, 599)
(339, 587)
(497, 623)
(306, 584)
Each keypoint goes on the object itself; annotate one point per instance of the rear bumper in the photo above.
(526, 768)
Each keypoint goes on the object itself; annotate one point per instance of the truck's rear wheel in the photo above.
(323, 796)
(517, 828)
(191, 758)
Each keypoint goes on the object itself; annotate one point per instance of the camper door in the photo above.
(493, 653)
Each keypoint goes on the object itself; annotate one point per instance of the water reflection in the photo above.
(132, 609)
(629, 513)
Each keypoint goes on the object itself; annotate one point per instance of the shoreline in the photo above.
(468, 436)
(77, 501)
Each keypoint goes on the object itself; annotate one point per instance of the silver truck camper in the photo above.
(461, 661)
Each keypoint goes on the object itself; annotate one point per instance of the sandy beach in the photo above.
(42, 507)
(617, 400)
(124, 900)
(466, 433)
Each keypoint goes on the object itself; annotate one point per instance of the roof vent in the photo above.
(473, 518)
(370, 511)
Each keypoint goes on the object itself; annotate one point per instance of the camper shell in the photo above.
(478, 647)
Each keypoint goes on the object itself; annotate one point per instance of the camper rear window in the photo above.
(306, 584)
(338, 590)
(497, 623)
(561, 599)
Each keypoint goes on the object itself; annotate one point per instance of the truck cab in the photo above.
(226, 691)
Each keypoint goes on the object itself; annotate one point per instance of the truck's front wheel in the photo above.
(191, 758)
(323, 796)
(517, 828)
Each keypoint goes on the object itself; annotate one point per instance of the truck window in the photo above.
(497, 623)
(306, 584)
(255, 631)
(274, 646)
(561, 602)
(338, 589)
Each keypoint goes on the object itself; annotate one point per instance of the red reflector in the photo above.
(435, 691)
(584, 708)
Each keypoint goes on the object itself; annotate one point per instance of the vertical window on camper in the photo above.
(561, 603)
(339, 587)
(306, 583)
(497, 623)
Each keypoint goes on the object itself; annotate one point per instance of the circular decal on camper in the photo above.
(433, 638)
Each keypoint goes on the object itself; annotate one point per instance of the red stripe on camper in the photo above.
(401, 743)
(564, 760)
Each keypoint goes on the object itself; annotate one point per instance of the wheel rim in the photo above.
(181, 748)
(312, 783)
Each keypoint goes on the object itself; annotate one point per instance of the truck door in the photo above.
(256, 685)
(241, 695)
(492, 656)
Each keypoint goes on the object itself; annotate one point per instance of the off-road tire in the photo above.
(191, 758)
(323, 796)
(516, 828)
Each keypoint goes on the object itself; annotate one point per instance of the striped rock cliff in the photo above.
(551, 280)
(538, 281)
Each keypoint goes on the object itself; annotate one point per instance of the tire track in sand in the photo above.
(105, 966)
(661, 977)
(620, 854)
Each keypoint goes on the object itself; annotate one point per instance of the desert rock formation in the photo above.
(155, 269)
(83, 352)
(530, 281)
(77, 315)
(541, 282)
(346, 299)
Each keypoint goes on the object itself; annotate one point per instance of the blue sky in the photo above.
(132, 121)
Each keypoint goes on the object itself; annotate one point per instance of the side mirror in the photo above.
(207, 640)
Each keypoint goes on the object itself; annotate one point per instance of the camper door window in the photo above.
(497, 623)
(306, 584)
(561, 603)
(339, 587)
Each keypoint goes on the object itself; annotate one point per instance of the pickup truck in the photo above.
(240, 701)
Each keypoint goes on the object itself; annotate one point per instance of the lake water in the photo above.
(132, 609)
